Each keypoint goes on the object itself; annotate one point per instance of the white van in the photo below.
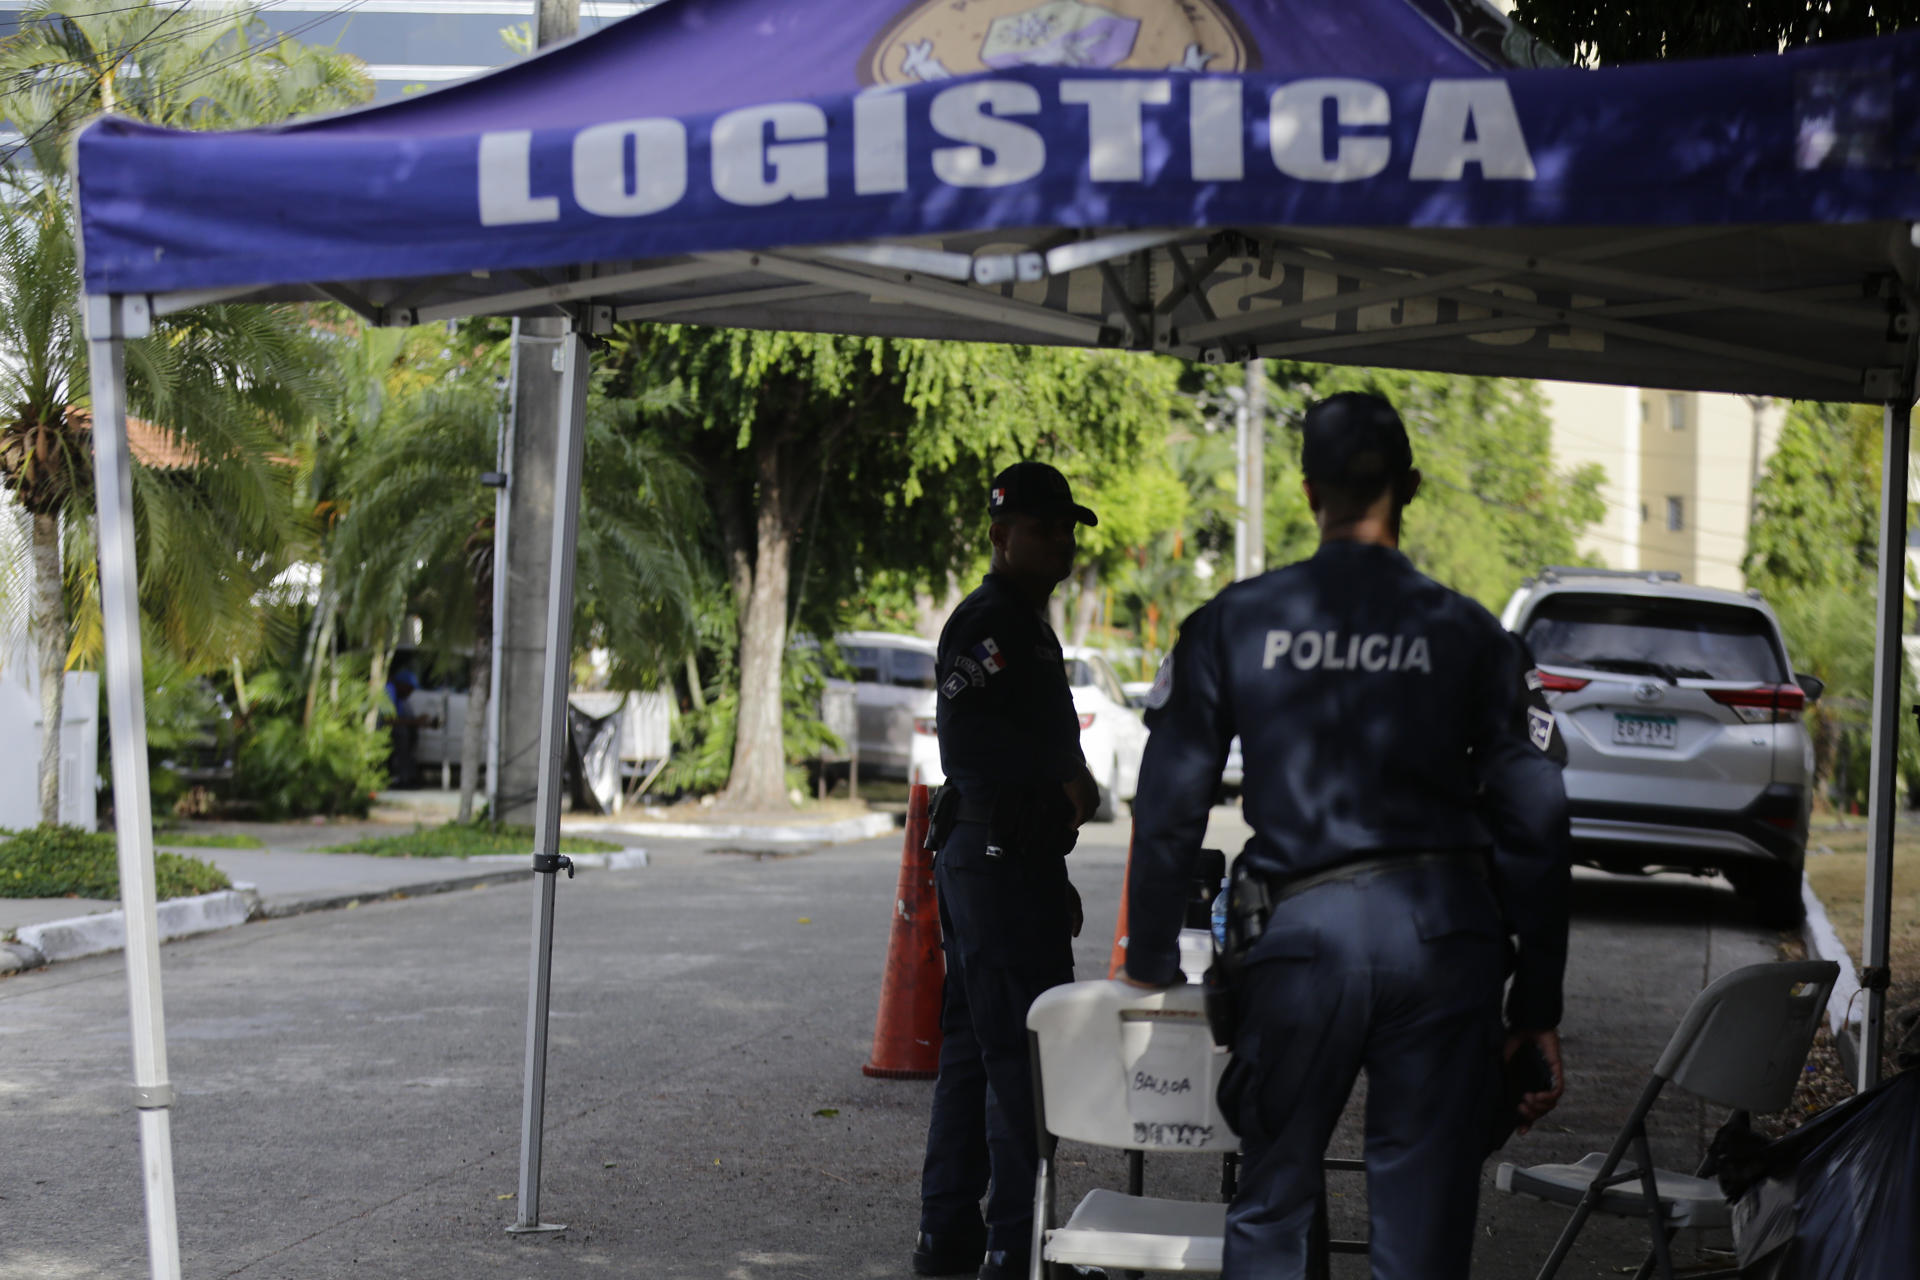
(892, 677)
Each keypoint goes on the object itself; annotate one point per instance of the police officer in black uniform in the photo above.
(1017, 791)
(1405, 825)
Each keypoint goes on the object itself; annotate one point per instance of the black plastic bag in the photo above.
(1838, 1198)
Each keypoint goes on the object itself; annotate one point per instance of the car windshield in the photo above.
(865, 661)
(1080, 673)
(1671, 639)
(912, 670)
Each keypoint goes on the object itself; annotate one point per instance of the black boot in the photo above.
(948, 1254)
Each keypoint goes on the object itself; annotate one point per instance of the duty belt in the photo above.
(1266, 893)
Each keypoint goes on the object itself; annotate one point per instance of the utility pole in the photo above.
(1250, 453)
(524, 538)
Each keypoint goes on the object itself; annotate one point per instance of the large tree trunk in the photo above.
(1086, 602)
(50, 650)
(759, 777)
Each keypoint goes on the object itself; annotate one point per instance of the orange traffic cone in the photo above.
(906, 1034)
(1119, 960)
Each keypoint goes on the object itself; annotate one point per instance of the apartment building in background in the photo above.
(1680, 469)
(406, 44)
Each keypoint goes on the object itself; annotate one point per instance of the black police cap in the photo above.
(1035, 489)
(1354, 439)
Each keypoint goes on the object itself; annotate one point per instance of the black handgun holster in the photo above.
(1249, 905)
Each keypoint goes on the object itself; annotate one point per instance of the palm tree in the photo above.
(218, 388)
(415, 531)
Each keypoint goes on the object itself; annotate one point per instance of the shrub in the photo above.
(332, 763)
(57, 862)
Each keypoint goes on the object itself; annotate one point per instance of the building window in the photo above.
(1676, 515)
(1676, 412)
(1646, 410)
(1644, 516)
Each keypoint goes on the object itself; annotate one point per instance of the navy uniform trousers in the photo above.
(1004, 926)
(1398, 972)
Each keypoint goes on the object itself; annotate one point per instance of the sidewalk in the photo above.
(290, 876)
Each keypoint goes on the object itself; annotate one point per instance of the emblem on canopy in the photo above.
(937, 39)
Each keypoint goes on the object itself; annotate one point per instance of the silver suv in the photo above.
(1681, 715)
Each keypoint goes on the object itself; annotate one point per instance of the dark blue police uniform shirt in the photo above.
(1378, 712)
(1005, 710)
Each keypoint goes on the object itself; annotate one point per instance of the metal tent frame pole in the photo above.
(569, 446)
(1889, 653)
(111, 320)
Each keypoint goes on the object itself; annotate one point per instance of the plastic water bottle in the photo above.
(1220, 918)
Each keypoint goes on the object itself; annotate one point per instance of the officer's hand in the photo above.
(1075, 916)
(1535, 1105)
(1084, 794)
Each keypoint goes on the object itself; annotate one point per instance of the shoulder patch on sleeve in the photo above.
(955, 685)
(1162, 685)
(1540, 727)
(976, 675)
(1535, 681)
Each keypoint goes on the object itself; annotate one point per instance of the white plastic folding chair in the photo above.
(1742, 1044)
(1116, 1066)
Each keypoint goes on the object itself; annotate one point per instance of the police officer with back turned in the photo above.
(1404, 827)
(1017, 791)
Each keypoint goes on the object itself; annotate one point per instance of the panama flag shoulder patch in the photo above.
(988, 654)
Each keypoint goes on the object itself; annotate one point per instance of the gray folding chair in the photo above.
(1742, 1044)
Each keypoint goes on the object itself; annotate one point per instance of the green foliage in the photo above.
(331, 764)
(463, 840)
(1817, 508)
(1813, 553)
(58, 862)
(703, 739)
(1605, 34)
(185, 723)
(414, 526)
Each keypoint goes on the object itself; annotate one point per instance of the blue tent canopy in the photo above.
(1385, 182)
(1380, 181)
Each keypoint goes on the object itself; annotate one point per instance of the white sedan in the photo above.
(1112, 735)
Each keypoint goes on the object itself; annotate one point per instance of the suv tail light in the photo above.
(1766, 704)
(924, 724)
(1561, 684)
(1086, 721)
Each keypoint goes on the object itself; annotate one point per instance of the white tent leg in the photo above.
(1882, 798)
(569, 446)
(110, 322)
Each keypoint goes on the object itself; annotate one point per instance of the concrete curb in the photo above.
(282, 908)
(16, 957)
(847, 830)
(1843, 1018)
(107, 931)
(71, 939)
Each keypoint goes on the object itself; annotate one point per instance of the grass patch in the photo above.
(1839, 879)
(62, 862)
(208, 840)
(457, 840)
